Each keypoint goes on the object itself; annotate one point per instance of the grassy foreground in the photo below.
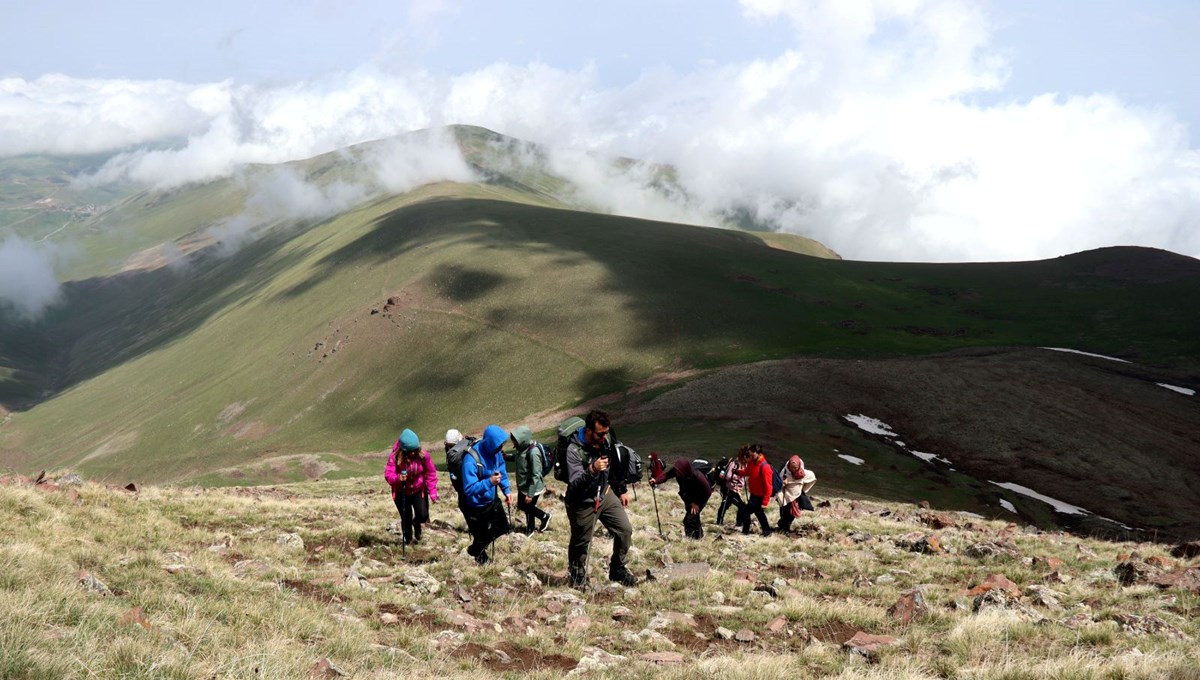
(270, 582)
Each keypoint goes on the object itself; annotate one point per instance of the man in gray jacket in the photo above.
(596, 489)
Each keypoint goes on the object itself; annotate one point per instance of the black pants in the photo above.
(486, 524)
(531, 510)
(785, 513)
(582, 518)
(754, 506)
(729, 498)
(692, 527)
(414, 511)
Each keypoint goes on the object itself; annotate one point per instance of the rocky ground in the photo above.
(311, 581)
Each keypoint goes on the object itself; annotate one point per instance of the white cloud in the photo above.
(883, 131)
(403, 163)
(27, 281)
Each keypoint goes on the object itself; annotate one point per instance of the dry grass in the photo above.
(237, 603)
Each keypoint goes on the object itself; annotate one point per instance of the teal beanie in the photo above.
(409, 441)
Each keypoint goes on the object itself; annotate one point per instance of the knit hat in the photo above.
(453, 436)
(409, 441)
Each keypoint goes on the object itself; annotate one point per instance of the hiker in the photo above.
(730, 484)
(794, 496)
(695, 491)
(758, 473)
(484, 477)
(413, 478)
(596, 489)
(531, 461)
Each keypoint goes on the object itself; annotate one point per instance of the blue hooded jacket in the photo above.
(477, 486)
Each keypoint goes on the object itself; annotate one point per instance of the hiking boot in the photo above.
(624, 577)
(545, 522)
(578, 580)
(482, 558)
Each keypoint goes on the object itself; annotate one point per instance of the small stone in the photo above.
(1056, 577)
(910, 606)
(724, 633)
(622, 613)
(884, 579)
(1045, 597)
(325, 670)
(1076, 621)
(662, 658)
(462, 594)
(745, 635)
(176, 568)
(93, 584)
(777, 624)
(290, 541)
(1186, 551)
(867, 645)
(579, 623)
(996, 581)
(1131, 572)
(389, 619)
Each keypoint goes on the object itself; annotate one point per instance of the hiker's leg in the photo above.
(614, 518)
(419, 502)
(692, 527)
(721, 507)
(477, 524)
(525, 503)
(743, 518)
(755, 507)
(785, 519)
(406, 515)
(583, 524)
(538, 513)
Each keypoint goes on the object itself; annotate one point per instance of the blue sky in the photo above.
(889, 129)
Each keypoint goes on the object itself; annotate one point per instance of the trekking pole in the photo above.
(403, 540)
(654, 492)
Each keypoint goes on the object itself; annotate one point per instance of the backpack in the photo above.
(716, 475)
(547, 463)
(705, 468)
(633, 468)
(776, 481)
(454, 459)
(566, 430)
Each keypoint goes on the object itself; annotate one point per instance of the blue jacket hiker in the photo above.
(483, 480)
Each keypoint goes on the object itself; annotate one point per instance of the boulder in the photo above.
(419, 579)
(325, 670)
(867, 645)
(910, 606)
(1132, 572)
(1184, 579)
(1186, 551)
(994, 582)
(290, 541)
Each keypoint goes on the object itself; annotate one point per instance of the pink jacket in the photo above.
(422, 475)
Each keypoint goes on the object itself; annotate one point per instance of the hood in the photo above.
(523, 436)
(683, 468)
(800, 473)
(492, 441)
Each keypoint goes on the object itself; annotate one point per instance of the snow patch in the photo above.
(928, 457)
(1059, 506)
(1086, 354)
(867, 424)
(853, 460)
(1181, 390)
(1008, 506)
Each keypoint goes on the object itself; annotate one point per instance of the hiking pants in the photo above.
(785, 513)
(692, 527)
(754, 507)
(486, 524)
(532, 511)
(414, 511)
(729, 498)
(583, 525)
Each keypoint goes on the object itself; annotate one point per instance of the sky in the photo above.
(912, 130)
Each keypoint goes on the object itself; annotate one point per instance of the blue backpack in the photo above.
(776, 481)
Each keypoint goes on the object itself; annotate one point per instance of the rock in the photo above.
(1159, 562)
(867, 645)
(671, 572)
(579, 623)
(859, 536)
(1131, 572)
(910, 606)
(325, 670)
(1185, 579)
(131, 487)
(1186, 551)
(1076, 621)
(800, 557)
(593, 658)
(290, 541)
(996, 581)
(1051, 563)
(462, 620)
(1045, 597)
(1148, 625)
(622, 613)
(222, 545)
(135, 616)
(928, 545)
(70, 479)
(777, 624)
(92, 584)
(389, 619)
(883, 579)
(767, 588)
(176, 568)
(924, 505)
(357, 580)
(745, 576)
(745, 635)
(718, 597)
(662, 658)
(419, 579)
(1085, 551)
(462, 595)
(724, 633)
(1056, 577)
(938, 520)
(999, 598)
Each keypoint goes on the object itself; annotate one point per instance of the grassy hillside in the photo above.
(271, 582)
(462, 305)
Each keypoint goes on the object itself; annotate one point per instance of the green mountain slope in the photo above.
(461, 305)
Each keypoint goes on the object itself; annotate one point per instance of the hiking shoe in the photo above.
(624, 577)
(482, 558)
(545, 522)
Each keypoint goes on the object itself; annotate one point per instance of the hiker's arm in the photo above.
(579, 477)
(473, 485)
(389, 473)
(503, 469)
(431, 477)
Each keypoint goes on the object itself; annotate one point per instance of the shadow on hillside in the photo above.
(107, 321)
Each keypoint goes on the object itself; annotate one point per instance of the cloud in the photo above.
(402, 164)
(884, 131)
(27, 281)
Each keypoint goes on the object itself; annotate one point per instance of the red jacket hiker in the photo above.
(758, 478)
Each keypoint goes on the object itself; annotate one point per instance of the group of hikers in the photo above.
(598, 471)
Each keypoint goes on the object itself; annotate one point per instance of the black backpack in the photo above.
(716, 474)
(566, 430)
(454, 459)
(633, 465)
(705, 468)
